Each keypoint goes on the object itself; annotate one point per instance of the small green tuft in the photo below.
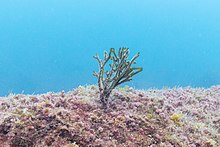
(121, 71)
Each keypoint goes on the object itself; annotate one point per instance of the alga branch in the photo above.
(120, 71)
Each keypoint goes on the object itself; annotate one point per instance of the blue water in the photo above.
(47, 45)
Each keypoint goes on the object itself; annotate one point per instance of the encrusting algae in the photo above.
(134, 118)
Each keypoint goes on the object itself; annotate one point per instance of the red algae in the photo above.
(166, 117)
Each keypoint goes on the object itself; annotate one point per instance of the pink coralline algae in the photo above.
(175, 117)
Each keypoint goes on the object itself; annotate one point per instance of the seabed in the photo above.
(169, 117)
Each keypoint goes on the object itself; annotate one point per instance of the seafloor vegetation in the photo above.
(177, 117)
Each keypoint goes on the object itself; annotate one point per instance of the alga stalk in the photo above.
(120, 71)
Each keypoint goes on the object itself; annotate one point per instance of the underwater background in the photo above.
(48, 45)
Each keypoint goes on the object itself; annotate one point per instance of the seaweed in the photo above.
(120, 71)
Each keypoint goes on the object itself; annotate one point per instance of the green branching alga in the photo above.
(120, 71)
